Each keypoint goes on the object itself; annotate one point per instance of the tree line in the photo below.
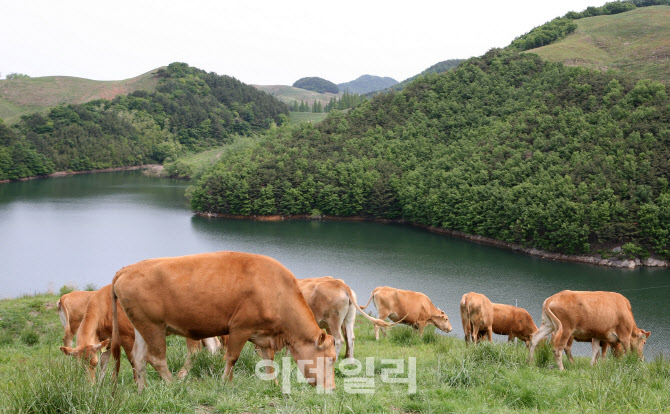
(190, 110)
(505, 146)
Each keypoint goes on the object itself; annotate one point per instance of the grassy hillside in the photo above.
(636, 42)
(28, 95)
(36, 377)
(289, 94)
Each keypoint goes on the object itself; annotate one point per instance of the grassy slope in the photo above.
(289, 94)
(450, 377)
(299, 117)
(22, 96)
(636, 42)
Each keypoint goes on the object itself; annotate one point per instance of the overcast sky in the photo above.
(259, 42)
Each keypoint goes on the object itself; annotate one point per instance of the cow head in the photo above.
(88, 353)
(637, 340)
(316, 360)
(441, 321)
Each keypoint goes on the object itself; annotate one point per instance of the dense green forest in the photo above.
(439, 67)
(367, 83)
(505, 146)
(316, 84)
(190, 110)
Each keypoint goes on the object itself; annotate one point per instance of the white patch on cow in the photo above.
(62, 315)
(212, 344)
(139, 349)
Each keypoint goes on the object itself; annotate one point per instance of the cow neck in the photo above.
(301, 326)
(88, 330)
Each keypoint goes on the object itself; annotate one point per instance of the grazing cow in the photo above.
(512, 321)
(71, 308)
(245, 296)
(334, 306)
(95, 333)
(598, 316)
(406, 306)
(477, 316)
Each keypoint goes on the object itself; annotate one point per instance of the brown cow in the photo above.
(334, 306)
(599, 316)
(248, 297)
(409, 307)
(476, 316)
(512, 321)
(95, 333)
(71, 308)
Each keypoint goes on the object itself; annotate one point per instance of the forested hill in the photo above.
(439, 67)
(367, 83)
(505, 146)
(189, 110)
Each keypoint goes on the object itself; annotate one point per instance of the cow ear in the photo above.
(99, 346)
(320, 340)
(67, 350)
(646, 333)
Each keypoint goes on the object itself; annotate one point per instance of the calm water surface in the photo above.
(81, 229)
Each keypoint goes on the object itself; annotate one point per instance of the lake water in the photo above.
(81, 229)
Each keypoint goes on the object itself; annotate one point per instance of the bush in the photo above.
(67, 289)
(30, 337)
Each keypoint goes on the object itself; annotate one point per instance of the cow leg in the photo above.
(561, 338)
(268, 354)
(568, 349)
(544, 331)
(595, 350)
(192, 346)
(475, 333)
(421, 328)
(139, 361)
(150, 347)
(335, 323)
(236, 342)
(348, 330)
(68, 338)
(489, 333)
(604, 345)
(381, 316)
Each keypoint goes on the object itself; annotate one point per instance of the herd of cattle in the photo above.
(225, 299)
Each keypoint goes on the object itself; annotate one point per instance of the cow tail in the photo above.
(372, 295)
(473, 333)
(376, 321)
(556, 323)
(63, 316)
(116, 342)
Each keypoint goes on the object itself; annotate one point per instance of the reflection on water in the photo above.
(82, 229)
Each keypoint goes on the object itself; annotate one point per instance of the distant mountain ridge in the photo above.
(367, 83)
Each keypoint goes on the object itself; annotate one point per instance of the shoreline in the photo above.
(530, 251)
(155, 168)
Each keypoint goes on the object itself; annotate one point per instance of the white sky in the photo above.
(259, 42)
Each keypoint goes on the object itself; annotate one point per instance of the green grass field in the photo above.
(636, 42)
(300, 117)
(27, 95)
(289, 94)
(36, 377)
